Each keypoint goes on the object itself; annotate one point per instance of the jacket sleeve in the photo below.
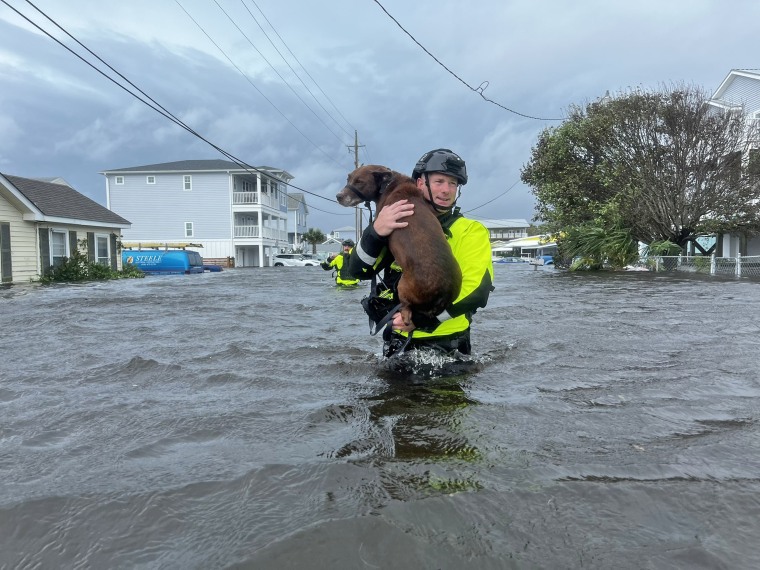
(474, 257)
(370, 256)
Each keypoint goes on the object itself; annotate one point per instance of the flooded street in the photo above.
(244, 419)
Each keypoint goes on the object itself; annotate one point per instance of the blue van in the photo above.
(163, 261)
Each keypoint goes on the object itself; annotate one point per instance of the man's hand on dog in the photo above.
(391, 217)
(398, 323)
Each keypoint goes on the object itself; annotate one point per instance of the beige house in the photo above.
(42, 222)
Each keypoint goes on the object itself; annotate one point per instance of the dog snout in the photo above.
(346, 198)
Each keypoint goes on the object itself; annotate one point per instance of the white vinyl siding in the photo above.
(158, 212)
(743, 91)
(24, 254)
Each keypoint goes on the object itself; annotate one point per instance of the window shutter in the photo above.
(91, 247)
(72, 243)
(44, 251)
(5, 253)
(114, 263)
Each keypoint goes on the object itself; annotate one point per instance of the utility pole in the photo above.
(358, 208)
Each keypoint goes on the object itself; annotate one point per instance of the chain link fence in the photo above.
(740, 266)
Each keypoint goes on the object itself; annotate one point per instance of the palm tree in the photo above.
(314, 236)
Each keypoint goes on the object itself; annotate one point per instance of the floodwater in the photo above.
(244, 419)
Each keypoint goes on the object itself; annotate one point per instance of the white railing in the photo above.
(246, 231)
(266, 233)
(253, 199)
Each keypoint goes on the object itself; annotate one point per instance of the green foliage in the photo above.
(313, 237)
(593, 247)
(662, 164)
(662, 248)
(78, 268)
(701, 264)
(131, 272)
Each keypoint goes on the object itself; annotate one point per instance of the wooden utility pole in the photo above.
(358, 208)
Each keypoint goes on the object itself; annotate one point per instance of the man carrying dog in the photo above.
(439, 174)
(339, 262)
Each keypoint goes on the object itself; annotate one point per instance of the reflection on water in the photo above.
(246, 419)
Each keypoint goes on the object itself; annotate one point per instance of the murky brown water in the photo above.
(243, 419)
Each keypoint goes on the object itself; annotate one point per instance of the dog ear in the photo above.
(382, 179)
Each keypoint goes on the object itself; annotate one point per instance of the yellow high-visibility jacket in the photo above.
(340, 264)
(470, 242)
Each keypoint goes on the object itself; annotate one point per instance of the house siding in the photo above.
(88, 233)
(743, 91)
(159, 211)
(23, 243)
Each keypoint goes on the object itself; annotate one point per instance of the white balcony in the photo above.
(253, 232)
(253, 199)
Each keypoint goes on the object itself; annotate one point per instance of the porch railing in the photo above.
(257, 232)
(253, 199)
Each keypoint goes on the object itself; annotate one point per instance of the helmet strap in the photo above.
(436, 207)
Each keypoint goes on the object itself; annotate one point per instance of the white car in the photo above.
(295, 260)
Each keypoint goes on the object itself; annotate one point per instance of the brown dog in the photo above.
(431, 279)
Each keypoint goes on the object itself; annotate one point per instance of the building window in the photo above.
(150, 179)
(188, 229)
(188, 181)
(58, 247)
(102, 253)
(119, 180)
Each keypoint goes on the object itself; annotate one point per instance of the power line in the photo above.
(253, 84)
(263, 31)
(154, 104)
(302, 67)
(285, 81)
(494, 199)
(479, 90)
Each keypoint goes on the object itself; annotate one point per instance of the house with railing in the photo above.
(740, 92)
(231, 212)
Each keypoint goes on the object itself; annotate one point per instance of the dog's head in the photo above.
(365, 184)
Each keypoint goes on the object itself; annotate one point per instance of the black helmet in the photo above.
(441, 160)
(348, 242)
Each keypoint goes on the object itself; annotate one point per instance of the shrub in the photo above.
(78, 268)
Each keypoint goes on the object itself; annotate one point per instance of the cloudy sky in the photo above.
(285, 83)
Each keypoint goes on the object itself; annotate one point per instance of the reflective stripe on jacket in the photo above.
(470, 242)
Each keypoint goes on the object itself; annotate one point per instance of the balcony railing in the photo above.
(253, 199)
(256, 232)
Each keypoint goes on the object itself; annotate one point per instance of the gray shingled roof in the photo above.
(194, 166)
(202, 165)
(62, 201)
(295, 199)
